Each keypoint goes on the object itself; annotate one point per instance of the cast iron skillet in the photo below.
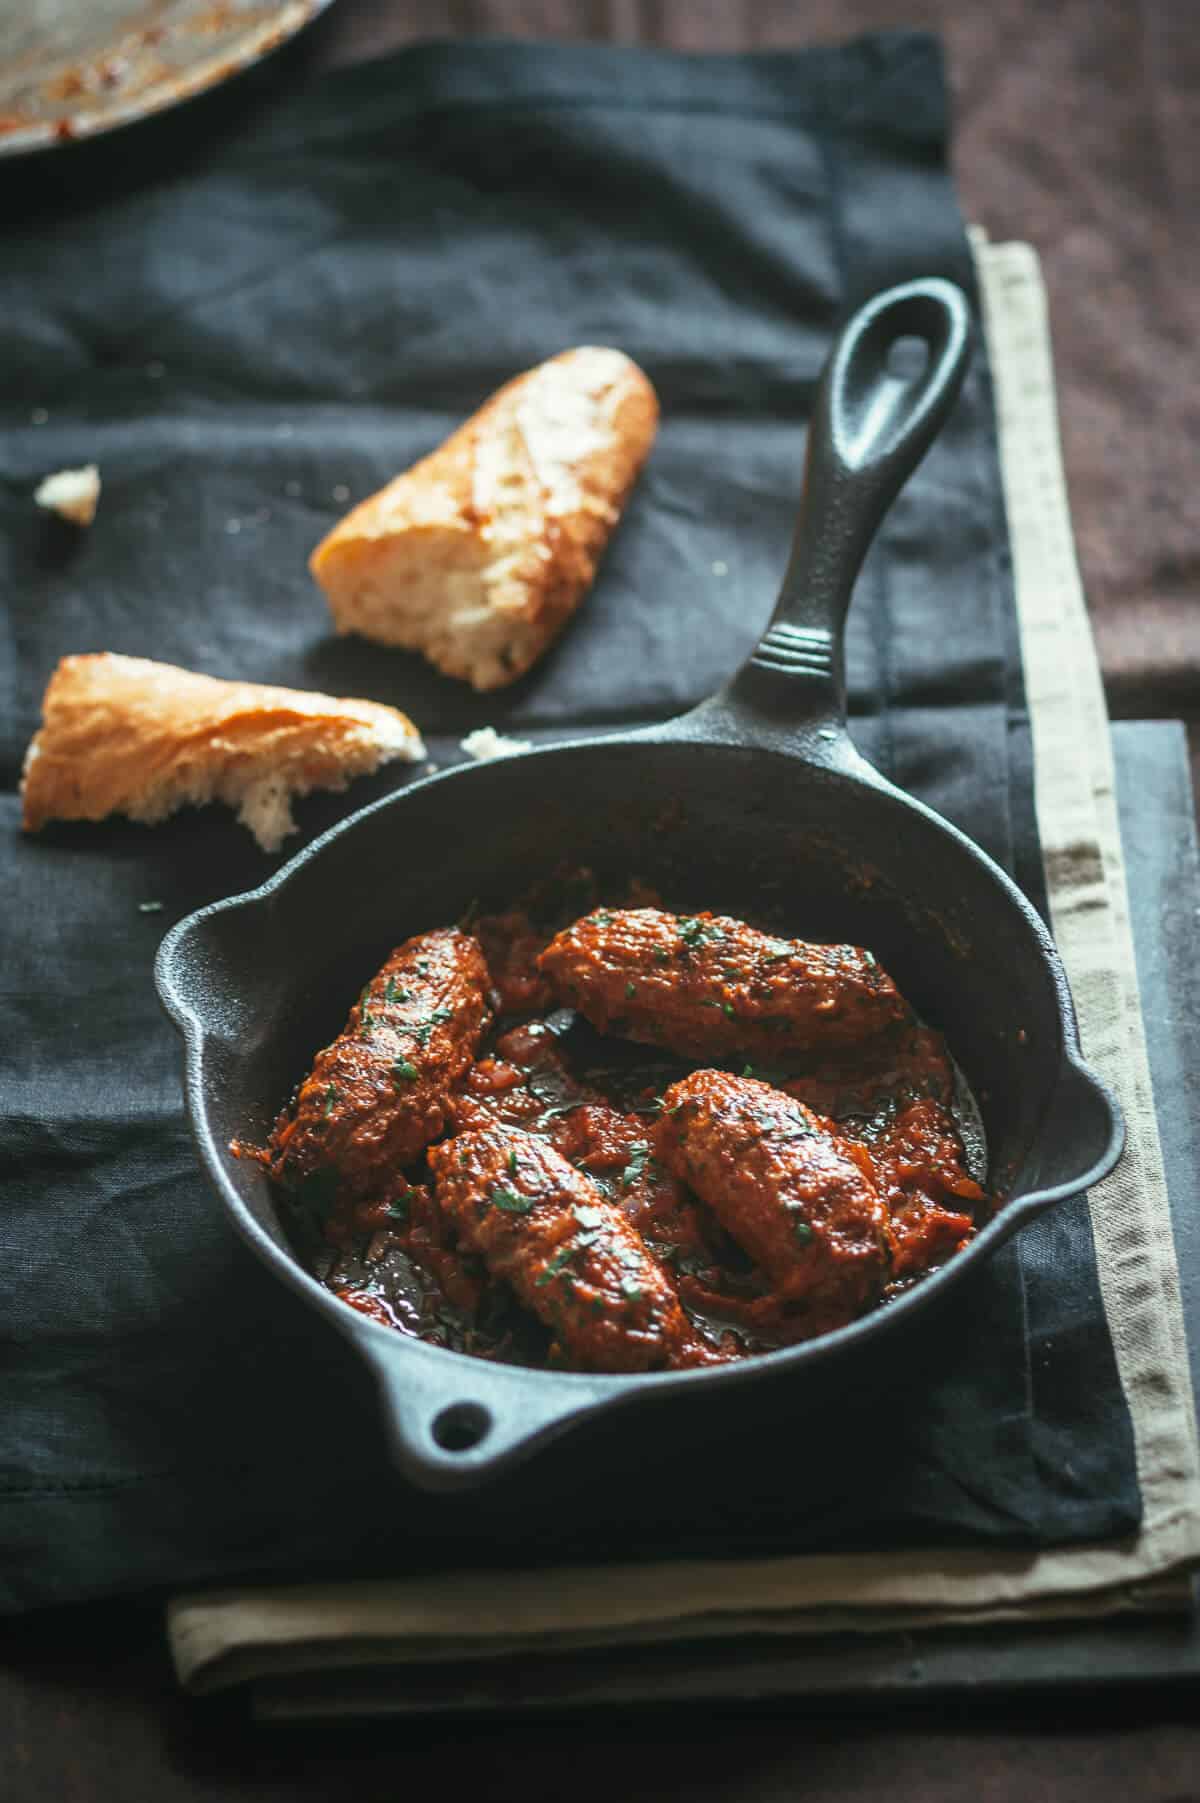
(755, 802)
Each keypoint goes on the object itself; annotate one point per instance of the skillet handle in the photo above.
(454, 1424)
(873, 420)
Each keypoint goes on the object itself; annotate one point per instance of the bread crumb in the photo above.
(72, 494)
(485, 742)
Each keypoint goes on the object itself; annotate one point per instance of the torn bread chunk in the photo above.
(479, 555)
(72, 494)
(123, 735)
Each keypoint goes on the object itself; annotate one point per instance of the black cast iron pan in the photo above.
(755, 801)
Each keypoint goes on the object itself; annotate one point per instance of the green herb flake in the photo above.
(331, 1096)
(151, 907)
(662, 955)
(512, 1161)
(602, 917)
(511, 1202)
(728, 1009)
(397, 1209)
(869, 958)
(395, 992)
(632, 1291)
(404, 1072)
(803, 1232)
(557, 1265)
(421, 967)
(695, 932)
(635, 1170)
(424, 1028)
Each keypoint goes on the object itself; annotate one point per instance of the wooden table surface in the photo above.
(1075, 129)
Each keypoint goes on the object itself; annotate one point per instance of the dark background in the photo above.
(1076, 131)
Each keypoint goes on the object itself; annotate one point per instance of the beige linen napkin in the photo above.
(233, 1636)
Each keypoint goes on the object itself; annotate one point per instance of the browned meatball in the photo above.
(901, 1107)
(798, 1198)
(571, 1256)
(377, 1096)
(707, 986)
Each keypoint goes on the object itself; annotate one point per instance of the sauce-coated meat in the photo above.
(569, 1254)
(528, 1084)
(900, 1105)
(800, 1199)
(707, 986)
(380, 1093)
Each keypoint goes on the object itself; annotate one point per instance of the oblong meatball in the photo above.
(707, 986)
(797, 1197)
(901, 1107)
(569, 1255)
(380, 1093)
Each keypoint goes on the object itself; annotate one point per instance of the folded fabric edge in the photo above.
(244, 1640)
(1075, 792)
(229, 1637)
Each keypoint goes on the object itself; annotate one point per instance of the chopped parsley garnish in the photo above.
(639, 1157)
(557, 1264)
(331, 1096)
(694, 932)
(662, 955)
(404, 1072)
(393, 992)
(511, 1202)
(601, 917)
(421, 967)
(422, 1031)
(512, 1161)
(630, 991)
(803, 1232)
(630, 1289)
(729, 1009)
(397, 1208)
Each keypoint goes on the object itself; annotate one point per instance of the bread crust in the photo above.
(125, 735)
(508, 518)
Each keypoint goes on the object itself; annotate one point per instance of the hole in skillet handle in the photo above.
(462, 1426)
(907, 359)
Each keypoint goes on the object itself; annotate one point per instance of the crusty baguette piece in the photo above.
(123, 735)
(479, 554)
